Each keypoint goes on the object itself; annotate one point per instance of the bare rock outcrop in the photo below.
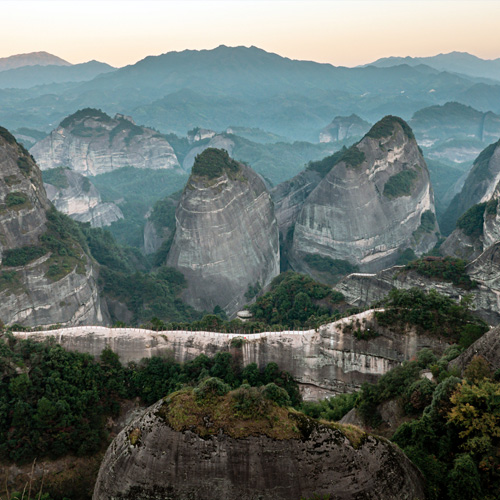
(91, 143)
(479, 186)
(344, 127)
(226, 237)
(374, 203)
(76, 196)
(45, 278)
(207, 454)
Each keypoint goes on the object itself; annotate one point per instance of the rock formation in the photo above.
(76, 196)
(92, 143)
(362, 290)
(344, 127)
(487, 346)
(325, 362)
(479, 186)
(226, 237)
(185, 449)
(45, 276)
(374, 203)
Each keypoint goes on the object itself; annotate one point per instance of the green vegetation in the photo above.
(22, 256)
(491, 207)
(446, 269)
(400, 184)
(427, 225)
(7, 136)
(332, 409)
(334, 268)
(212, 163)
(54, 402)
(431, 313)
(8, 279)
(385, 128)
(16, 199)
(82, 114)
(406, 257)
(353, 157)
(24, 165)
(56, 177)
(131, 130)
(296, 300)
(326, 164)
(471, 222)
(122, 185)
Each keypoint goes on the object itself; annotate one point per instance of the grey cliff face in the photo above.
(374, 203)
(487, 346)
(480, 185)
(324, 362)
(79, 199)
(91, 143)
(226, 239)
(362, 290)
(289, 196)
(343, 127)
(164, 463)
(29, 295)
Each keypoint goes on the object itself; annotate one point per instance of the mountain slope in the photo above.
(31, 59)
(46, 277)
(373, 204)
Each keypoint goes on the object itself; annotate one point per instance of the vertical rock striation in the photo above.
(226, 237)
(374, 203)
(45, 275)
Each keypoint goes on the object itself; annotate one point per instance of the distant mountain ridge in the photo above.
(455, 62)
(31, 59)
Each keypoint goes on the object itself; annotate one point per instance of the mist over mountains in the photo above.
(237, 86)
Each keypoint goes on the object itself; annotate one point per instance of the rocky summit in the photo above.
(91, 143)
(373, 204)
(226, 238)
(194, 445)
(45, 275)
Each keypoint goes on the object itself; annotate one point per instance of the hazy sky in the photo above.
(340, 32)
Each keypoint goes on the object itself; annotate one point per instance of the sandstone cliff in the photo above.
(362, 290)
(184, 449)
(74, 195)
(374, 203)
(478, 187)
(325, 362)
(45, 276)
(92, 143)
(226, 237)
(344, 127)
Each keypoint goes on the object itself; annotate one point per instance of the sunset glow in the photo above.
(338, 32)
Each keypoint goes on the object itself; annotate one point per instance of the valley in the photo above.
(266, 275)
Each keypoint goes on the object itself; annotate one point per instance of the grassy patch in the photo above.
(16, 200)
(22, 256)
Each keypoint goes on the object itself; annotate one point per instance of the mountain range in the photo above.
(237, 86)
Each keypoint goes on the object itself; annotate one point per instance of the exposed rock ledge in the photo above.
(324, 361)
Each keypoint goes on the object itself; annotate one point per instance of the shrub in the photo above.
(16, 199)
(212, 163)
(385, 128)
(277, 394)
(400, 184)
(22, 256)
(211, 387)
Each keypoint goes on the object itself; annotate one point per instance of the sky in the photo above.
(340, 32)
